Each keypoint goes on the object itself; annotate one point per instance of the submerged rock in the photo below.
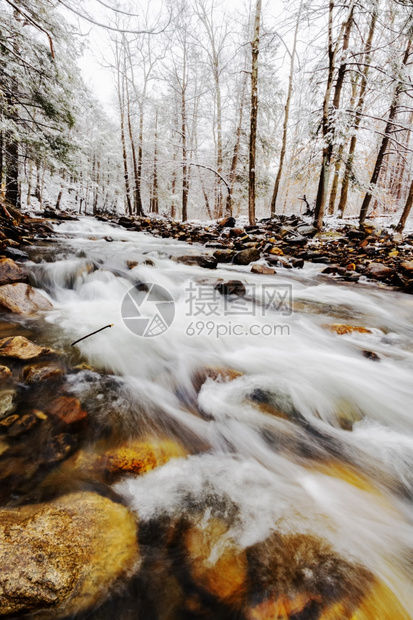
(341, 329)
(21, 348)
(232, 287)
(42, 372)
(22, 299)
(62, 557)
(68, 410)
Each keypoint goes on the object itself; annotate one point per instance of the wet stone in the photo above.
(378, 271)
(231, 287)
(68, 410)
(262, 269)
(7, 403)
(19, 347)
(42, 372)
(5, 373)
(22, 298)
(245, 257)
(10, 272)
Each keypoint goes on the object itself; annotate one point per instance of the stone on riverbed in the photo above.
(378, 271)
(22, 299)
(21, 348)
(42, 372)
(10, 272)
(263, 269)
(62, 557)
(245, 257)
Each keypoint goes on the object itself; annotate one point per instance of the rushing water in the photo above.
(292, 430)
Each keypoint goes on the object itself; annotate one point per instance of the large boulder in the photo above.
(22, 299)
(62, 557)
(21, 348)
(10, 272)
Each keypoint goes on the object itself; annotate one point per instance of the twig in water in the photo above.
(91, 334)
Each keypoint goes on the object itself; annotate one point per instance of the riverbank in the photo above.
(373, 253)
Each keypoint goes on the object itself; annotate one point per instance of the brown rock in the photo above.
(217, 564)
(232, 287)
(10, 272)
(245, 257)
(407, 268)
(23, 424)
(378, 271)
(21, 348)
(7, 402)
(63, 557)
(5, 372)
(263, 269)
(22, 299)
(224, 256)
(340, 329)
(68, 410)
(41, 372)
(132, 459)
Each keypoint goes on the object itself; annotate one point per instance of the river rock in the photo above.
(14, 253)
(10, 272)
(63, 557)
(245, 257)
(407, 268)
(263, 269)
(21, 348)
(68, 410)
(7, 403)
(216, 563)
(5, 373)
(231, 287)
(133, 458)
(378, 271)
(341, 329)
(41, 372)
(224, 255)
(207, 262)
(22, 299)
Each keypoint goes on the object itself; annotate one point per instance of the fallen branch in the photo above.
(91, 334)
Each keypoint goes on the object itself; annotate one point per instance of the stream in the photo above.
(297, 442)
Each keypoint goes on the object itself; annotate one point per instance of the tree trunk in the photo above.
(254, 114)
(235, 153)
(155, 197)
(357, 120)
(385, 140)
(406, 211)
(137, 203)
(336, 103)
(326, 122)
(286, 116)
(121, 92)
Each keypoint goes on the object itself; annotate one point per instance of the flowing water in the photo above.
(297, 442)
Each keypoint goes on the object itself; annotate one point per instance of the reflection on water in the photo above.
(289, 494)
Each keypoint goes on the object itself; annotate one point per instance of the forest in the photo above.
(216, 108)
